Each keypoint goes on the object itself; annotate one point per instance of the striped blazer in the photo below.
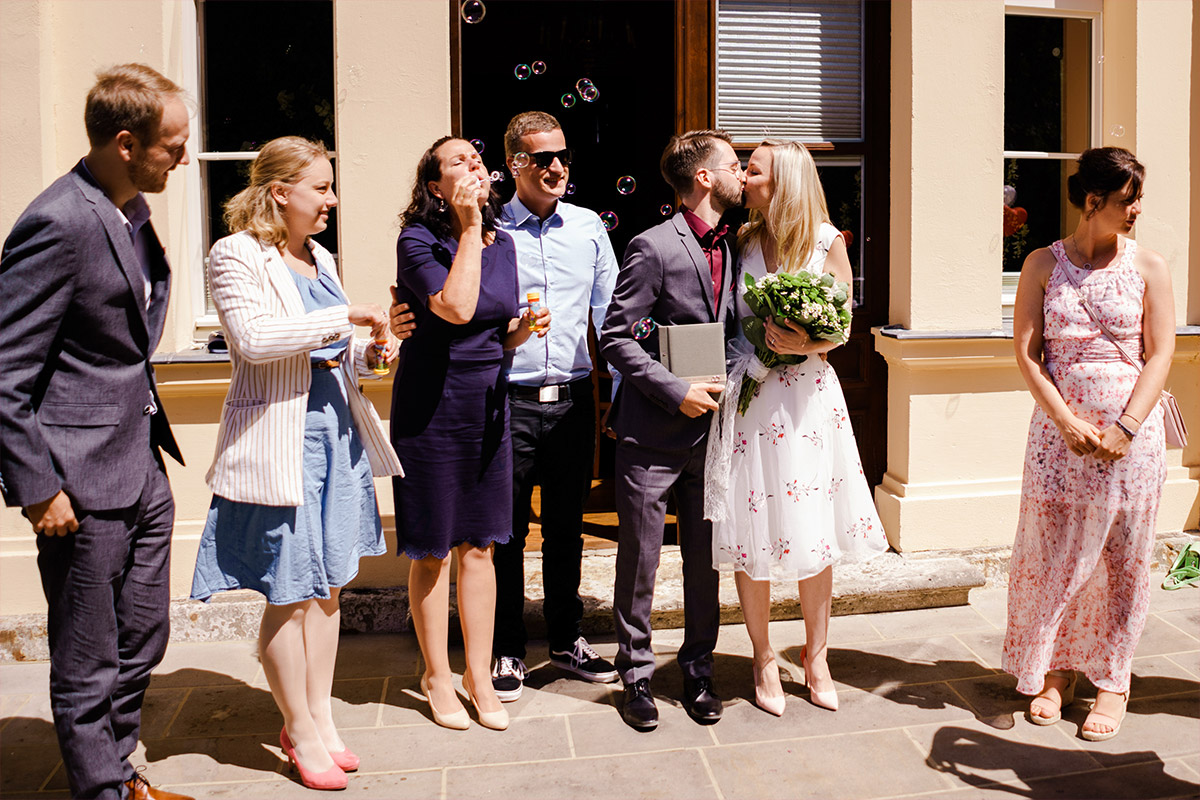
(260, 444)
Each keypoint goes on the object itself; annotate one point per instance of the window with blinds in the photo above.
(790, 69)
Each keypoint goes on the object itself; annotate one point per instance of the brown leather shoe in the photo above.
(140, 789)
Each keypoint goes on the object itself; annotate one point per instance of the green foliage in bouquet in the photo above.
(818, 303)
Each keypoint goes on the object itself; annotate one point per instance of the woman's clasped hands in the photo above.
(1084, 438)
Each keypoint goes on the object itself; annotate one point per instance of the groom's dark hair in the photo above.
(685, 154)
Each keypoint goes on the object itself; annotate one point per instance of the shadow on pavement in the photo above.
(956, 751)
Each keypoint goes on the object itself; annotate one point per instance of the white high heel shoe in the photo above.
(828, 699)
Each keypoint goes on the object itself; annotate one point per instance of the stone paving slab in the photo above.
(925, 712)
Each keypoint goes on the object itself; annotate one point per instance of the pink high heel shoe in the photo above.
(331, 779)
(772, 705)
(345, 759)
(828, 699)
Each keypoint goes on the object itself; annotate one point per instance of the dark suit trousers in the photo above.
(107, 586)
(553, 444)
(645, 475)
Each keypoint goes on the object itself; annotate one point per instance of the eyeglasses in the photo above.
(544, 158)
(733, 167)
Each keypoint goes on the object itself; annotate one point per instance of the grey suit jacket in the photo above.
(78, 396)
(665, 276)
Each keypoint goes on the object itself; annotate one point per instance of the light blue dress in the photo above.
(289, 553)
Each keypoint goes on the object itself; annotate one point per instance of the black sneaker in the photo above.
(508, 678)
(584, 662)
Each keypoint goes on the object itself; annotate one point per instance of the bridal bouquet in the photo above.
(817, 302)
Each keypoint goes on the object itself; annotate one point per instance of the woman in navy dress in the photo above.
(458, 272)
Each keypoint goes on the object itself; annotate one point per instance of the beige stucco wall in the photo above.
(393, 93)
(958, 409)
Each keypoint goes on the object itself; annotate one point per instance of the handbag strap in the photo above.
(1104, 329)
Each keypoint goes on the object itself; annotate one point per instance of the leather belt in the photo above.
(332, 363)
(552, 393)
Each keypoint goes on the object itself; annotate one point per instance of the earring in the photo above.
(441, 206)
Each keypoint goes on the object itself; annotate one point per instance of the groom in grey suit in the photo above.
(679, 272)
(84, 285)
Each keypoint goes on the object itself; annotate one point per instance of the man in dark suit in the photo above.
(679, 272)
(84, 285)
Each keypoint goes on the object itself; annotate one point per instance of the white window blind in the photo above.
(790, 69)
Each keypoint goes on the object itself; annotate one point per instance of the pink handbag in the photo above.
(1174, 428)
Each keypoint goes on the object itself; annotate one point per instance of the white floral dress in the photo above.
(1079, 580)
(795, 498)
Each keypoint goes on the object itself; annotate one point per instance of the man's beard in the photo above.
(727, 196)
(145, 179)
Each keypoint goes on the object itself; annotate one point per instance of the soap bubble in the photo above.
(609, 219)
(472, 11)
(1100, 60)
(570, 188)
(520, 160)
(626, 184)
(497, 176)
(666, 209)
(589, 93)
(539, 67)
(567, 100)
(478, 145)
(582, 82)
(1116, 131)
(1010, 195)
(643, 328)
(522, 71)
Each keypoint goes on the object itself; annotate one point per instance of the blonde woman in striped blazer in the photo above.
(293, 505)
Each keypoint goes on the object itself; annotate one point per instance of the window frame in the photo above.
(1091, 10)
(204, 321)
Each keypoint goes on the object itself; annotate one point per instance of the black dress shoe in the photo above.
(639, 711)
(700, 700)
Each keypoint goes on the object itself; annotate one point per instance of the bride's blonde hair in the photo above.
(797, 208)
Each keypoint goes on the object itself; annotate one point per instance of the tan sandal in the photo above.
(1096, 716)
(1066, 695)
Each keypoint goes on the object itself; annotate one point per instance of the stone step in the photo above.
(892, 582)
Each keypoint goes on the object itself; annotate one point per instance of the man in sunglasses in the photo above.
(563, 254)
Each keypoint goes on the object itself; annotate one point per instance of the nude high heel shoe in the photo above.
(827, 699)
(772, 705)
(456, 720)
(496, 720)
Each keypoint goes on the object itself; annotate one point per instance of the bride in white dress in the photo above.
(794, 500)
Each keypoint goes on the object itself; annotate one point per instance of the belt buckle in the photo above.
(548, 394)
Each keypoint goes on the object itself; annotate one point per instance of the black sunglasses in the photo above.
(544, 158)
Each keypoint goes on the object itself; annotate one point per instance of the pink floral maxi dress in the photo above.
(796, 498)
(1079, 580)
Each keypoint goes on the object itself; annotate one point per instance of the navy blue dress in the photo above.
(450, 403)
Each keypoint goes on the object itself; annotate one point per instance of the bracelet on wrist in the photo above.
(1132, 417)
(1124, 430)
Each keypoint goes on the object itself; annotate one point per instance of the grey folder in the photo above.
(695, 352)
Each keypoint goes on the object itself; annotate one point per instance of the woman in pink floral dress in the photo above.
(1079, 581)
(793, 500)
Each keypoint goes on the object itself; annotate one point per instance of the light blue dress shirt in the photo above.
(568, 259)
